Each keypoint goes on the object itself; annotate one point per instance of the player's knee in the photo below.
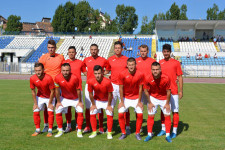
(122, 110)
(36, 110)
(79, 109)
(138, 110)
(94, 112)
(109, 113)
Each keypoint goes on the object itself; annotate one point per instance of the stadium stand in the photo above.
(197, 47)
(205, 61)
(5, 40)
(104, 45)
(25, 43)
(134, 43)
(161, 43)
(221, 46)
(42, 49)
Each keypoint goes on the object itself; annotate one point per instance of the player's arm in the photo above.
(106, 72)
(52, 94)
(167, 105)
(34, 99)
(79, 98)
(109, 107)
(180, 80)
(57, 93)
(140, 96)
(85, 73)
(121, 104)
(93, 106)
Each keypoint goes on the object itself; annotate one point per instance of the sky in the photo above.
(35, 10)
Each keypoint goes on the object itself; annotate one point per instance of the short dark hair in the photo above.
(167, 47)
(65, 64)
(94, 45)
(52, 42)
(72, 47)
(144, 46)
(131, 59)
(37, 64)
(118, 43)
(155, 64)
(97, 67)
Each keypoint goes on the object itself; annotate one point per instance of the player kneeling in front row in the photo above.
(102, 99)
(71, 96)
(157, 85)
(45, 94)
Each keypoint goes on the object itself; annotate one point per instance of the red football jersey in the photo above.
(171, 68)
(44, 86)
(117, 65)
(68, 87)
(101, 90)
(90, 62)
(77, 67)
(157, 88)
(131, 83)
(144, 65)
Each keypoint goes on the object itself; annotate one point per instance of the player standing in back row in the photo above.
(90, 62)
(172, 68)
(52, 63)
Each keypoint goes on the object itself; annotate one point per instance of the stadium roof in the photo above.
(184, 24)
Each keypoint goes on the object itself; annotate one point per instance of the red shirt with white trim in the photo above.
(77, 67)
(68, 87)
(157, 88)
(117, 65)
(101, 90)
(90, 62)
(171, 68)
(44, 86)
(144, 65)
(131, 83)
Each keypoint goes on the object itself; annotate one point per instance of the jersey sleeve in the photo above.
(106, 65)
(179, 70)
(146, 84)
(168, 84)
(90, 88)
(109, 66)
(142, 80)
(78, 85)
(121, 79)
(63, 59)
(32, 86)
(83, 67)
(110, 87)
(42, 59)
(51, 83)
(56, 82)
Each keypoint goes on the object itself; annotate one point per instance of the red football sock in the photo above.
(37, 120)
(139, 122)
(109, 123)
(80, 119)
(68, 115)
(59, 120)
(100, 119)
(50, 119)
(168, 124)
(87, 116)
(150, 123)
(93, 123)
(122, 123)
(127, 117)
(45, 115)
(76, 117)
(175, 119)
(162, 118)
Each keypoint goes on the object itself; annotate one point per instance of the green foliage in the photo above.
(214, 14)
(14, 24)
(145, 27)
(174, 12)
(183, 11)
(126, 18)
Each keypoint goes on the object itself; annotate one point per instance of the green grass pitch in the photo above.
(201, 125)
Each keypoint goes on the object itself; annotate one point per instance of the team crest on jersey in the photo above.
(62, 81)
(127, 76)
(113, 59)
(89, 60)
(152, 80)
(139, 61)
(95, 84)
(162, 63)
(37, 81)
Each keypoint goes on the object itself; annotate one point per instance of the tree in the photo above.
(168, 15)
(95, 21)
(145, 28)
(221, 15)
(174, 12)
(82, 15)
(14, 23)
(212, 12)
(183, 12)
(126, 18)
